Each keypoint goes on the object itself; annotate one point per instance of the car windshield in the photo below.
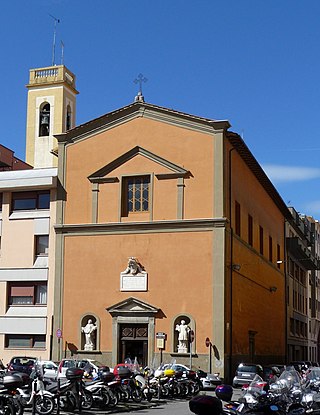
(96, 363)
(23, 361)
(247, 369)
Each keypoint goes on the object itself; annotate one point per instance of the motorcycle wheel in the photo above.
(195, 388)
(136, 395)
(86, 400)
(113, 399)
(18, 407)
(105, 399)
(7, 409)
(44, 405)
(125, 395)
(68, 403)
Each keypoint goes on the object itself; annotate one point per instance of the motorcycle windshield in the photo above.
(290, 378)
(256, 386)
(313, 374)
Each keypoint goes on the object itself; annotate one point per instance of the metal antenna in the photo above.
(140, 78)
(62, 52)
(54, 38)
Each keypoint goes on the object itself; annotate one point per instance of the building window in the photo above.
(237, 218)
(68, 118)
(41, 245)
(27, 294)
(270, 249)
(261, 240)
(250, 230)
(44, 120)
(136, 194)
(30, 200)
(21, 341)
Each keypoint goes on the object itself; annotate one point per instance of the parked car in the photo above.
(245, 373)
(49, 368)
(270, 372)
(91, 367)
(22, 364)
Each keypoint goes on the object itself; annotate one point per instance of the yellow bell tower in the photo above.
(51, 110)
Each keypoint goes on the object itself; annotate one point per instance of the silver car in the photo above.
(245, 373)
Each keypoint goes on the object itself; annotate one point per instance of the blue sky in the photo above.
(255, 63)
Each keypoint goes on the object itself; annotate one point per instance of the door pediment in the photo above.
(132, 306)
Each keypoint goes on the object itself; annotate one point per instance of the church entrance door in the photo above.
(134, 343)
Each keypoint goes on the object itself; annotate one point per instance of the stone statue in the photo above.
(134, 267)
(88, 331)
(183, 330)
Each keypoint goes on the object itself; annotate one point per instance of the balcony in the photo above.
(52, 74)
(302, 254)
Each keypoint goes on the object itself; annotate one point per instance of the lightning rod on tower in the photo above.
(54, 38)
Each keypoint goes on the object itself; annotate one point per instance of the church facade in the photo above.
(155, 227)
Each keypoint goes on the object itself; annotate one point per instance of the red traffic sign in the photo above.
(207, 342)
(59, 333)
(191, 336)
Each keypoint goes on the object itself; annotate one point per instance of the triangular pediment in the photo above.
(145, 110)
(172, 168)
(132, 306)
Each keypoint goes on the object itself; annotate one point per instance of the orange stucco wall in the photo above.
(188, 149)
(255, 308)
(177, 264)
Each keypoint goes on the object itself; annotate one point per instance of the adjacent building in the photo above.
(28, 215)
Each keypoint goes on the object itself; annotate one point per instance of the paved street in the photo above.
(155, 407)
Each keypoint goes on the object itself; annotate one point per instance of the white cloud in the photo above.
(278, 173)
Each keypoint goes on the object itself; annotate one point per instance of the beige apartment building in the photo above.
(28, 215)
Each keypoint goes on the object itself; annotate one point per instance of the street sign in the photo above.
(207, 342)
(161, 335)
(59, 333)
(191, 336)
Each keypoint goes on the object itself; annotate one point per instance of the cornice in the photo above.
(149, 111)
(192, 225)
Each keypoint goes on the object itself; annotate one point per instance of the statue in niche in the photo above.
(134, 267)
(183, 330)
(89, 332)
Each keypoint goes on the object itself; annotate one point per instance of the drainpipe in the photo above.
(230, 374)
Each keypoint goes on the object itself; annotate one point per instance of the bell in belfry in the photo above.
(45, 119)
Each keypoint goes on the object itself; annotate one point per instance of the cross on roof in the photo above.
(140, 78)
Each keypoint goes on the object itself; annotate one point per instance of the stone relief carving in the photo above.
(134, 277)
(134, 267)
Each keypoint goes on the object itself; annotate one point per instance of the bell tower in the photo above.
(51, 110)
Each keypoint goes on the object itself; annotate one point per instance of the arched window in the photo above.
(89, 333)
(181, 329)
(44, 120)
(68, 118)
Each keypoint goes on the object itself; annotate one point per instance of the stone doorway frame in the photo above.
(132, 311)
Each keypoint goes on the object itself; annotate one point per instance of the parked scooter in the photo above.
(8, 388)
(32, 393)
